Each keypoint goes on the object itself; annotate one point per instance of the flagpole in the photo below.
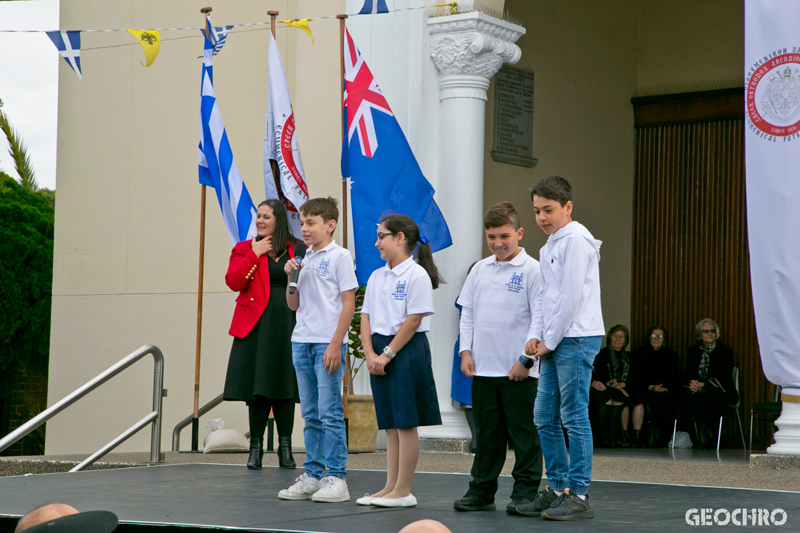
(272, 15)
(196, 413)
(342, 18)
(348, 386)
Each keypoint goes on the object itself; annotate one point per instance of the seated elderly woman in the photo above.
(707, 382)
(660, 381)
(614, 392)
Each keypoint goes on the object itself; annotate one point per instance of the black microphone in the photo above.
(299, 254)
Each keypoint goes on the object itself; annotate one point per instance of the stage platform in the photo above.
(191, 496)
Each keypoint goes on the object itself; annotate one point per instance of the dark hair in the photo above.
(618, 327)
(281, 234)
(327, 208)
(553, 188)
(405, 224)
(664, 330)
(501, 214)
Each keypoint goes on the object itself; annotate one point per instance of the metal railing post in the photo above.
(154, 417)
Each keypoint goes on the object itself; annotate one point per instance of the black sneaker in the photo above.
(568, 506)
(473, 503)
(543, 501)
(511, 508)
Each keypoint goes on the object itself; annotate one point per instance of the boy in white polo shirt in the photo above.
(496, 322)
(324, 301)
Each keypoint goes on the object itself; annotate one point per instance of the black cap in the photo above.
(88, 522)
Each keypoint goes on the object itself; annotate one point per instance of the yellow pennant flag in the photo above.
(301, 24)
(151, 44)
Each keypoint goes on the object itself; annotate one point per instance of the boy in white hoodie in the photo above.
(566, 335)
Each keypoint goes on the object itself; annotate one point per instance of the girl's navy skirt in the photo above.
(406, 396)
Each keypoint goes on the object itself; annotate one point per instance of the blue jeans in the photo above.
(563, 398)
(321, 407)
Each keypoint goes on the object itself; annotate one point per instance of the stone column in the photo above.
(787, 438)
(468, 49)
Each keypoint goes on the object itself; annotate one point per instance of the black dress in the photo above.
(261, 363)
(604, 371)
(659, 367)
(711, 402)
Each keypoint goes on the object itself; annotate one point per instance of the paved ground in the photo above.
(685, 467)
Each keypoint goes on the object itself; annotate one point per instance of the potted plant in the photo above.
(359, 409)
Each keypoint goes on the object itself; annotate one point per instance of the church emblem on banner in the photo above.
(773, 96)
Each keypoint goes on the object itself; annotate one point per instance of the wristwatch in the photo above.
(527, 362)
(389, 353)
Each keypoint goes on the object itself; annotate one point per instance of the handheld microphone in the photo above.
(299, 254)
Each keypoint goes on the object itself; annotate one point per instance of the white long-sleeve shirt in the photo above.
(567, 303)
(497, 304)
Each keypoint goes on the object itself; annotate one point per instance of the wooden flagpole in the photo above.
(348, 386)
(342, 18)
(196, 412)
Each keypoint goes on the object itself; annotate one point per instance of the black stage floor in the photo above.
(232, 497)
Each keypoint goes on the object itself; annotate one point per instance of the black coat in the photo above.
(657, 367)
(720, 367)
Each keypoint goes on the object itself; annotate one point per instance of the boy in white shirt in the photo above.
(496, 323)
(324, 301)
(568, 329)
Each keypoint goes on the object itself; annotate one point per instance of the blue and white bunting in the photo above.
(373, 7)
(69, 44)
(216, 166)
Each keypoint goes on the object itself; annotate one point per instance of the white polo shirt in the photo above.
(325, 275)
(496, 319)
(394, 293)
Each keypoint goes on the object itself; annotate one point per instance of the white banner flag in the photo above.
(772, 164)
(280, 144)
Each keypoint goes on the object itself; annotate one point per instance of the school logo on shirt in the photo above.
(515, 285)
(322, 268)
(400, 291)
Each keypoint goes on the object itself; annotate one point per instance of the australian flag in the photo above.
(384, 173)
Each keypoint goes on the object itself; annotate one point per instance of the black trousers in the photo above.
(503, 411)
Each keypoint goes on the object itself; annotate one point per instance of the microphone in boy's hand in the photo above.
(299, 254)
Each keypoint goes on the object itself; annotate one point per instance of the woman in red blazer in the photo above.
(260, 370)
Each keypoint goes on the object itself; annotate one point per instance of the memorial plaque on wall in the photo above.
(513, 117)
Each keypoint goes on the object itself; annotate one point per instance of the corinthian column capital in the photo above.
(469, 49)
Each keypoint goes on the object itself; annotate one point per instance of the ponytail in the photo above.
(406, 225)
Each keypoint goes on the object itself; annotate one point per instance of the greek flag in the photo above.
(218, 35)
(69, 44)
(373, 7)
(216, 166)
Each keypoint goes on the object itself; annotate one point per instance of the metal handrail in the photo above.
(154, 417)
(176, 433)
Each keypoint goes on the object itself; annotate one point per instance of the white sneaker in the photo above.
(332, 490)
(304, 487)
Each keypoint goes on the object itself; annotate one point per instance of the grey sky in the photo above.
(29, 84)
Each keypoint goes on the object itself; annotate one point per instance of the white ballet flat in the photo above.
(408, 501)
(366, 500)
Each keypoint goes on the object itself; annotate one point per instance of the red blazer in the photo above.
(249, 275)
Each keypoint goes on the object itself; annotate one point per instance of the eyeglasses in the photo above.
(381, 236)
(656, 336)
(709, 331)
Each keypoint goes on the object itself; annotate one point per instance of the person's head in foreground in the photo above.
(425, 526)
(63, 518)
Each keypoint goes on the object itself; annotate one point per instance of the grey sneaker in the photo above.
(305, 486)
(544, 499)
(332, 490)
(569, 506)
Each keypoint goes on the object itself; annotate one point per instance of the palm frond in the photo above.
(19, 153)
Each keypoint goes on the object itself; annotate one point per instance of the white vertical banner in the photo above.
(772, 165)
(281, 145)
